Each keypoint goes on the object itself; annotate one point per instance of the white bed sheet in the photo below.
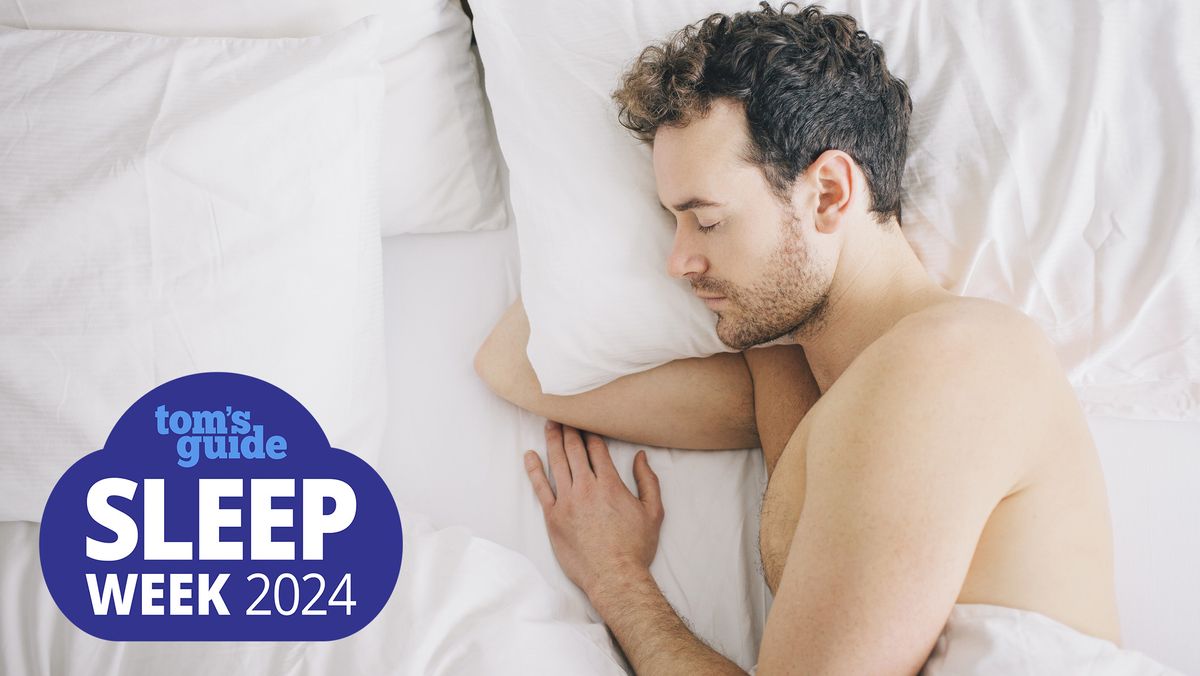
(453, 452)
(1153, 469)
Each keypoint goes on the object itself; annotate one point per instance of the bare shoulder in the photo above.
(964, 382)
(964, 346)
(964, 334)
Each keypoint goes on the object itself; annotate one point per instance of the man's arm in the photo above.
(699, 403)
(652, 635)
(784, 391)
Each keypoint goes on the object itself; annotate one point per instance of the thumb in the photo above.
(647, 481)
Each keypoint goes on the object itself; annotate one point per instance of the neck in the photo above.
(877, 282)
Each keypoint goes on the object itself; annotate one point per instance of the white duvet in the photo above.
(986, 640)
(462, 605)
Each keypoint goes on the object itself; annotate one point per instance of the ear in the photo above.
(837, 185)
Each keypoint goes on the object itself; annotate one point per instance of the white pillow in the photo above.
(440, 168)
(175, 205)
(1048, 169)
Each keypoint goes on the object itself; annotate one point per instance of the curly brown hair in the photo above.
(808, 81)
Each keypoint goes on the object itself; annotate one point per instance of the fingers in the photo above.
(537, 476)
(602, 462)
(577, 457)
(647, 483)
(557, 456)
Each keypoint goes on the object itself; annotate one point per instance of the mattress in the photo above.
(476, 541)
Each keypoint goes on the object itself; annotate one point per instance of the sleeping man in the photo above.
(928, 461)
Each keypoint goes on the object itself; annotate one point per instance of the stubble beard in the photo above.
(791, 298)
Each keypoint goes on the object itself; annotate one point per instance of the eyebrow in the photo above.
(693, 203)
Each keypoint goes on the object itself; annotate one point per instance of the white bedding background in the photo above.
(480, 590)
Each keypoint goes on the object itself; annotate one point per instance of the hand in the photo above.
(598, 528)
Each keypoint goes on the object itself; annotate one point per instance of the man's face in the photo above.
(758, 259)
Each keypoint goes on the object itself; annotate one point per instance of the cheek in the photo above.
(750, 255)
(741, 271)
(767, 233)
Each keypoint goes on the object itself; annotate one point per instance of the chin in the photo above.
(731, 337)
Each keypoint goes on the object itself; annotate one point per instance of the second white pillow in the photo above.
(176, 205)
(440, 167)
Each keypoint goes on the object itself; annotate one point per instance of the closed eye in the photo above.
(707, 228)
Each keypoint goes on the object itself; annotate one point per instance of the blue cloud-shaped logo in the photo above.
(217, 510)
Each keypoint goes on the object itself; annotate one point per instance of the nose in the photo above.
(684, 259)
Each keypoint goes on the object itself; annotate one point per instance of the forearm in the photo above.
(654, 638)
(688, 403)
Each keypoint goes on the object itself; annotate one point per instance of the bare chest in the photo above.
(781, 507)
